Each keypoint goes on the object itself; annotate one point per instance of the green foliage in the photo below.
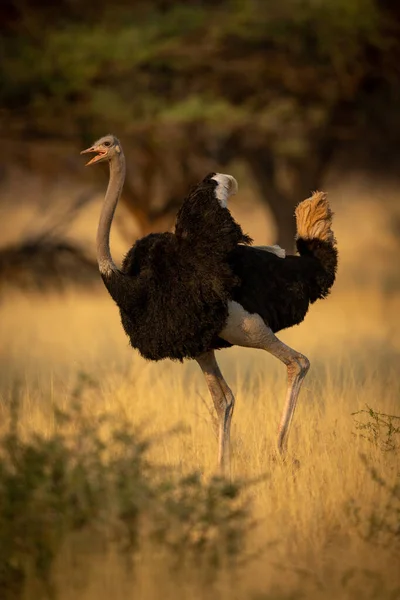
(92, 478)
(177, 61)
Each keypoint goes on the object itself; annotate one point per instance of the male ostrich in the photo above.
(186, 294)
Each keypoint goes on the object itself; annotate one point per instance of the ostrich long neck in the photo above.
(115, 185)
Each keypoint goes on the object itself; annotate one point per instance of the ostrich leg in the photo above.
(249, 330)
(224, 403)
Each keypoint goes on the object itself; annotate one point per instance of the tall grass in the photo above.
(329, 528)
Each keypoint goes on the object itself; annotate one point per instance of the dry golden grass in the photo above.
(308, 538)
(307, 542)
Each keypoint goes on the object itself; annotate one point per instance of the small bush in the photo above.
(92, 476)
(382, 430)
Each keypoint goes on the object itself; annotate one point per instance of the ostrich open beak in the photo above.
(100, 154)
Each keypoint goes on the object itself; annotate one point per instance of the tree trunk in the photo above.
(285, 181)
(281, 201)
(282, 209)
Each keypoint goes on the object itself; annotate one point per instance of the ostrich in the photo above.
(185, 294)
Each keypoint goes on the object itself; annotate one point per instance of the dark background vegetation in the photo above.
(190, 86)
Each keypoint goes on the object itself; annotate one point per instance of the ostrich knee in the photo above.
(297, 368)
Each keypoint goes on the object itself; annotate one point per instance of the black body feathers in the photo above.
(174, 288)
(281, 290)
(202, 221)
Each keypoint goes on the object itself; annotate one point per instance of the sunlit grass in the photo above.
(61, 350)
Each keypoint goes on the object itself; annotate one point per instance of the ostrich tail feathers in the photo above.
(314, 219)
(315, 239)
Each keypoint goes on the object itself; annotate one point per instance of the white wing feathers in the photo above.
(227, 186)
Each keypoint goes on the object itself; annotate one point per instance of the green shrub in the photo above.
(93, 477)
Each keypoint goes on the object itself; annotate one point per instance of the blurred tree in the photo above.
(196, 83)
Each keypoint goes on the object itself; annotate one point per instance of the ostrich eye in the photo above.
(107, 143)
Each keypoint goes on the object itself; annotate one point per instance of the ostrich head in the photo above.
(105, 149)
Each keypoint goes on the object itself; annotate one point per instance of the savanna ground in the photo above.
(327, 529)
